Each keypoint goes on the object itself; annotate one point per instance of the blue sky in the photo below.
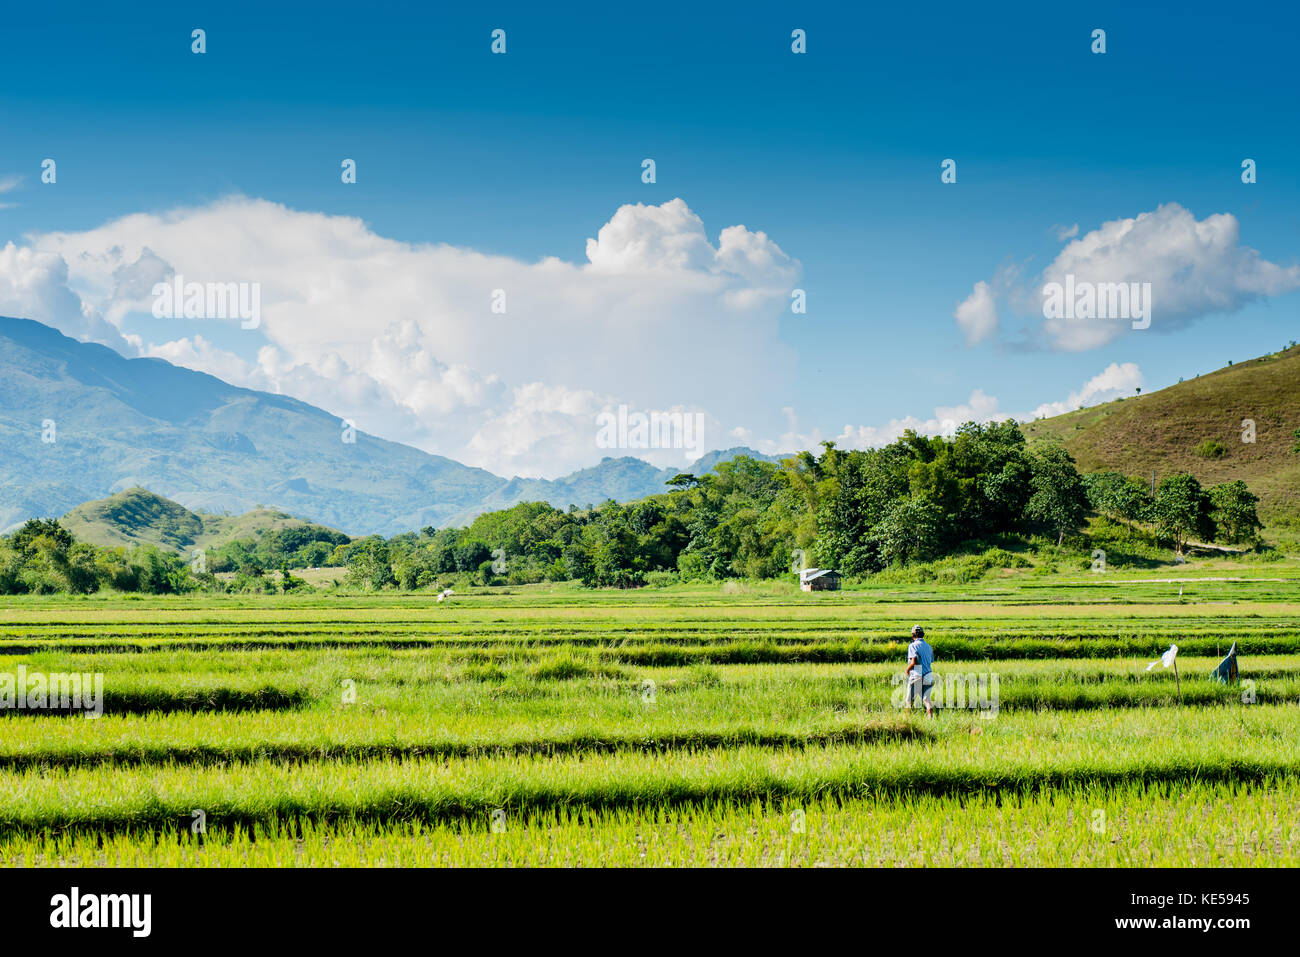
(834, 155)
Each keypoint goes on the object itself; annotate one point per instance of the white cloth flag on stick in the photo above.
(1166, 659)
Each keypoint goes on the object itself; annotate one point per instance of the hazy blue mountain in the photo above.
(622, 479)
(199, 441)
(119, 423)
(707, 462)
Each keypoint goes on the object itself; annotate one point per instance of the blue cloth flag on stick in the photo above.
(1226, 673)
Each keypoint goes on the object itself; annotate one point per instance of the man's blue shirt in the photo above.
(923, 653)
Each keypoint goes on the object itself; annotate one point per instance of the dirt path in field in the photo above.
(1203, 578)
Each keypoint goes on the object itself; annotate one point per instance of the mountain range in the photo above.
(79, 421)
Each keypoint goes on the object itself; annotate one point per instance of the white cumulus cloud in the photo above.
(34, 285)
(977, 314)
(1117, 379)
(403, 339)
(1196, 268)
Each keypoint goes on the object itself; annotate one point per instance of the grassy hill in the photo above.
(138, 516)
(1162, 432)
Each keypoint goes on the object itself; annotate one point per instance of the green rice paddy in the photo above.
(697, 725)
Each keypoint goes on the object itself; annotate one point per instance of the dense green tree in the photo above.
(1182, 508)
(302, 546)
(369, 564)
(160, 573)
(912, 530)
(1118, 497)
(287, 582)
(1132, 501)
(1101, 488)
(1234, 512)
(470, 555)
(28, 538)
(1058, 499)
(865, 486)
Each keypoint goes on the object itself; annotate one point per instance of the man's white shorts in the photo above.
(925, 686)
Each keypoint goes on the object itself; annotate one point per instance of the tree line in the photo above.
(859, 511)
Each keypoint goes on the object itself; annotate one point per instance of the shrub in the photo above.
(704, 676)
(661, 579)
(485, 672)
(568, 666)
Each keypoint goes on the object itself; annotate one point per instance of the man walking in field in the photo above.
(920, 658)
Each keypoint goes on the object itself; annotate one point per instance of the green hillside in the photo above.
(1165, 432)
(139, 517)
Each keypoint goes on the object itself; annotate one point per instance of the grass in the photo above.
(676, 725)
(1130, 825)
(1188, 748)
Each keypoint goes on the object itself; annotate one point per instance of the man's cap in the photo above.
(918, 630)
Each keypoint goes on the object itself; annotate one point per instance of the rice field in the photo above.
(692, 726)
